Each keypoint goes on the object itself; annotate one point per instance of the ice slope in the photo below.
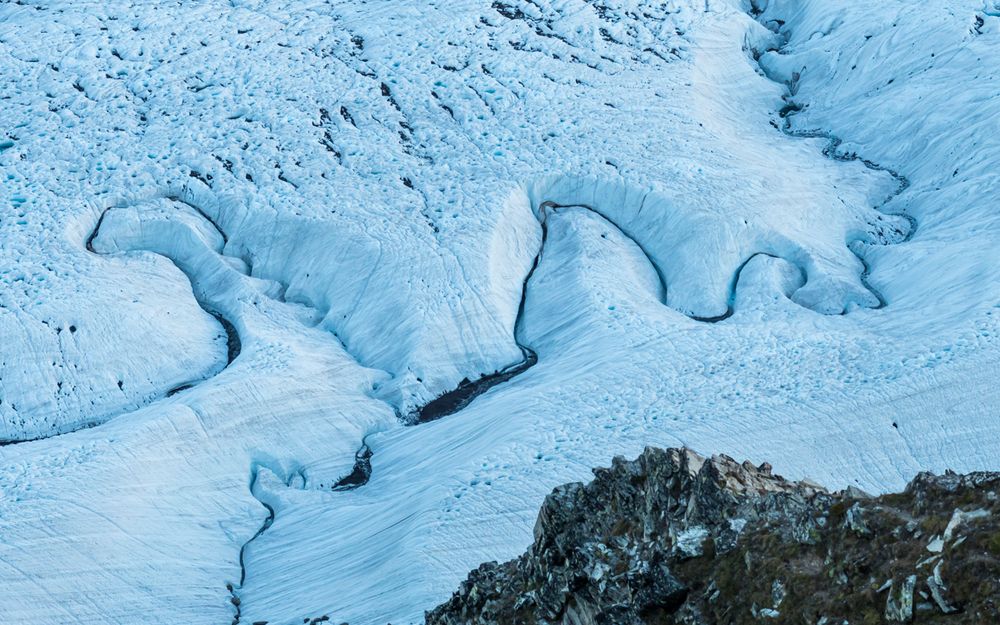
(359, 190)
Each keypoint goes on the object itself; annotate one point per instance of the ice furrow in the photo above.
(833, 152)
(268, 521)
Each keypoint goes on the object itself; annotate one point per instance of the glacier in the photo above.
(306, 305)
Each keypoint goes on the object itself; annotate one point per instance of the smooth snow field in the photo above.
(305, 306)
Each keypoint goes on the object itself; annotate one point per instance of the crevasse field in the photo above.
(249, 247)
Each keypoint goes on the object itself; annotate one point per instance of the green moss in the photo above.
(969, 497)
(993, 543)
(838, 510)
(933, 524)
(896, 500)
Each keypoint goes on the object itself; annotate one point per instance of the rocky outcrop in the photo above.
(672, 537)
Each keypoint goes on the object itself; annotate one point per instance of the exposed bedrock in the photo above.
(360, 473)
(673, 537)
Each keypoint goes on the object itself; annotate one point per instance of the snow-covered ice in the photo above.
(238, 239)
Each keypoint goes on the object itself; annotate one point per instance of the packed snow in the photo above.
(242, 244)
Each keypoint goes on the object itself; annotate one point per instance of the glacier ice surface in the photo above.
(358, 193)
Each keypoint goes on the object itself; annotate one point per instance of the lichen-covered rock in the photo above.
(674, 538)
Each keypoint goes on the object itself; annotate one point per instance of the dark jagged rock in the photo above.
(361, 472)
(674, 538)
